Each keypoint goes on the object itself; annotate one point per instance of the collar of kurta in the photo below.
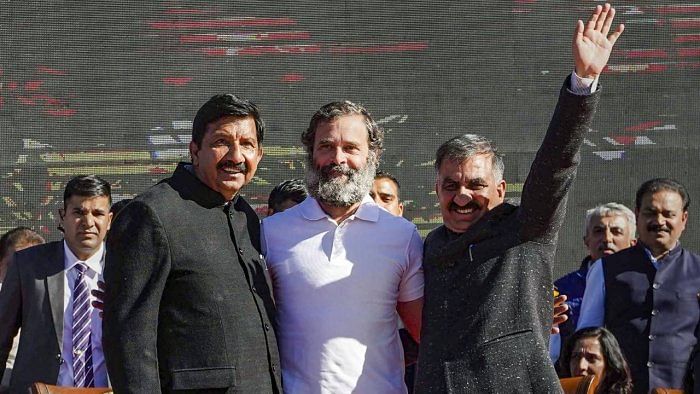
(191, 188)
(368, 210)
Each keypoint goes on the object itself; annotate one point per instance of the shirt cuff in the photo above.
(583, 86)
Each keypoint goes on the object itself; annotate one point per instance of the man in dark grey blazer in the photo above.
(188, 306)
(488, 286)
(42, 290)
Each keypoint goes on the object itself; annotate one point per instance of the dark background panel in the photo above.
(111, 88)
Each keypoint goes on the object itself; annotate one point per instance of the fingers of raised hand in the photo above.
(594, 18)
(613, 37)
(602, 19)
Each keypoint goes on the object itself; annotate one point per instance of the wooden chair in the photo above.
(43, 388)
(661, 390)
(579, 384)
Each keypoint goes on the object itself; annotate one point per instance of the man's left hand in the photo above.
(592, 44)
(560, 309)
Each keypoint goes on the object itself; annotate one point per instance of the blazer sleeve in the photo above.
(10, 311)
(136, 269)
(544, 196)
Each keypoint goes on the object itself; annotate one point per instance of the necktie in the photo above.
(82, 349)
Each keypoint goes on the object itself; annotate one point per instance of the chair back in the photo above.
(43, 388)
(579, 384)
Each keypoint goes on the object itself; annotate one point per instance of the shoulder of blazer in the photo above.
(42, 260)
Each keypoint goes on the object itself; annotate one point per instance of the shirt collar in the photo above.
(368, 210)
(654, 260)
(94, 262)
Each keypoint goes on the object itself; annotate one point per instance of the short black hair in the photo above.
(292, 189)
(659, 184)
(385, 175)
(16, 236)
(223, 105)
(87, 186)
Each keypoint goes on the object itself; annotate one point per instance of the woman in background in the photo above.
(595, 351)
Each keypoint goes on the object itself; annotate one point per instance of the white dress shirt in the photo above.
(94, 273)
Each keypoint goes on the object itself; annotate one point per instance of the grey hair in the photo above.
(466, 146)
(336, 109)
(611, 209)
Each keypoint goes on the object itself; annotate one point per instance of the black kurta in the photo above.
(188, 303)
(488, 291)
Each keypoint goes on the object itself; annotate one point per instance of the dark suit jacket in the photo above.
(32, 298)
(488, 291)
(188, 303)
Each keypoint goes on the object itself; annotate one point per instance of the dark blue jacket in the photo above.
(653, 314)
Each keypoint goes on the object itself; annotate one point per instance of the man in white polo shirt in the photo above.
(342, 267)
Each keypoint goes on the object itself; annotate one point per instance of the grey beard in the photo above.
(338, 192)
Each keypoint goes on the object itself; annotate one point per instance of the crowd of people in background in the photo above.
(183, 288)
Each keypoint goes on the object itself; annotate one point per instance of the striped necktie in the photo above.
(82, 349)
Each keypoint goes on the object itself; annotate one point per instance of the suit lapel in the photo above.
(55, 288)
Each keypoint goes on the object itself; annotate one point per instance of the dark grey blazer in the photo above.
(188, 303)
(32, 298)
(488, 291)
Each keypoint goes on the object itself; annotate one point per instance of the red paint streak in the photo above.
(644, 126)
(689, 52)
(197, 38)
(48, 100)
(685, 23)
(33, 85)
(26, 101)
(51, 71)
(292, 78)
(687, 38)
(654, 68)
(624, 139)
(404, 46)
(158, 170)
(278, 49)
(177, 81)
(214, 24)
(12, 85)
(60, 112)
(214, 51)
(688, 65)
(185, 11)
(291, 35)
(678, 9)
(645, 53)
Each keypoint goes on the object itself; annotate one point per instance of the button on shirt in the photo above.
(336, 287)
(94, 273)
(593, 304)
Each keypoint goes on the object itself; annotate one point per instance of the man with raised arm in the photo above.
(488, 269)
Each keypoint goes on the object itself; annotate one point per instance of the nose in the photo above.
(608, 236)
(234, 154)
(88, 220)
(463, 197)
(338, 156)
(581, 367)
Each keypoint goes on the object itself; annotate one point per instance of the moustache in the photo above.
(229, 165)
(470, 205)
(328, 171)
(657, 227)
